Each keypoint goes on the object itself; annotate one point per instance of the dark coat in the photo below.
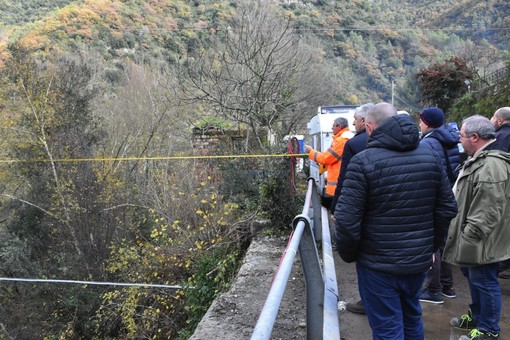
(503, 136)
(353, 146)
(396, 202)
(442, 139)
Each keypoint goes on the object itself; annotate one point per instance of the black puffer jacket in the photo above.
(503, 136)
(444, 139)
(396, 202)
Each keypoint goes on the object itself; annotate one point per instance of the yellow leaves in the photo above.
(290, 15)
(180, 294)
(199, 244)
(171, 251)
(315, 13)
(154, 233)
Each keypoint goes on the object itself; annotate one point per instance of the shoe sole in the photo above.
(462, 328)
(433, 302)
(449, 296)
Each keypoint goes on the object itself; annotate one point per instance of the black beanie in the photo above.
(432, 117)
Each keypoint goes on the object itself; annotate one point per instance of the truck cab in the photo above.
(320, 135)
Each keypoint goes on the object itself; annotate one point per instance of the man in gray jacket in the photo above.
(479, 237)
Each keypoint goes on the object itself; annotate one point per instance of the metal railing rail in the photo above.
(321, 287)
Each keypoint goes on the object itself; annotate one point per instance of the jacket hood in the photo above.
(488, 153)
(397, 133)
(445, 135)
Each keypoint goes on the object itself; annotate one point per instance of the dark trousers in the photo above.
(440, 275)
(326, 202)
(504, 265)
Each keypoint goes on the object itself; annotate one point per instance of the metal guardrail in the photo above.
(310, 227)
(490, 79)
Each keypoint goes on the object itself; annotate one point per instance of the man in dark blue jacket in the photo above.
(444, 140)
(393, 213)
(501, 122)
(353, 146)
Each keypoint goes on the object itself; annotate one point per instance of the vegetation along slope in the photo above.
(114, 113)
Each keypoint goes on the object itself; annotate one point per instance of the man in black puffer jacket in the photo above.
(444, 140)
(394, 212)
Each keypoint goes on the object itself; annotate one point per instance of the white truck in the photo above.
(320, 135)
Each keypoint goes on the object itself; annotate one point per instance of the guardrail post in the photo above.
(313, 280)
(316, 215)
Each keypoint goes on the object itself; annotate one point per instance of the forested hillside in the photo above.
(124, 123)
(368, 44)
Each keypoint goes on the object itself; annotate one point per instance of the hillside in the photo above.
(369, 43)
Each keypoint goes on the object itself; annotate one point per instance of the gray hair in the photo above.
(380, 112)
(480, 125)
(504, 113)
(361, 111)
(342, 122)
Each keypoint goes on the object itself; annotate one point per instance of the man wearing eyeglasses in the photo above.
(332, 157)
(479, 237)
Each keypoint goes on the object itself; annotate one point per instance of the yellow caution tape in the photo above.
(128, 159)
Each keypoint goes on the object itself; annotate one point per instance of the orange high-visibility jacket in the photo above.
(332, 158)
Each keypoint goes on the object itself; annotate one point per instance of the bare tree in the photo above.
(259, 72)
(483, 58)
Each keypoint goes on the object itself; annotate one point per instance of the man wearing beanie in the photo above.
(444, 140)
(432, 117)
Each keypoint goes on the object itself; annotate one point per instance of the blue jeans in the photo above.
(485, 296)
(392, 304)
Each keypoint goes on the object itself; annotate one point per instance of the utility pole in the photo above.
(392, 92)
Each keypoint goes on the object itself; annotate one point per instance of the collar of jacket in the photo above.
(503, 126)
(472, 164)
(364, 130)
(341, 132)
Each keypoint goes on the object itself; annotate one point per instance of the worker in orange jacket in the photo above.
(332, 158)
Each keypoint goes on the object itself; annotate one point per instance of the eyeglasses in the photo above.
(465, 136)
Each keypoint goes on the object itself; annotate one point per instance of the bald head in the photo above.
(501, 117)
(378, 114)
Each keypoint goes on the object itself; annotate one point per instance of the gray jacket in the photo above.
(480, 232)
